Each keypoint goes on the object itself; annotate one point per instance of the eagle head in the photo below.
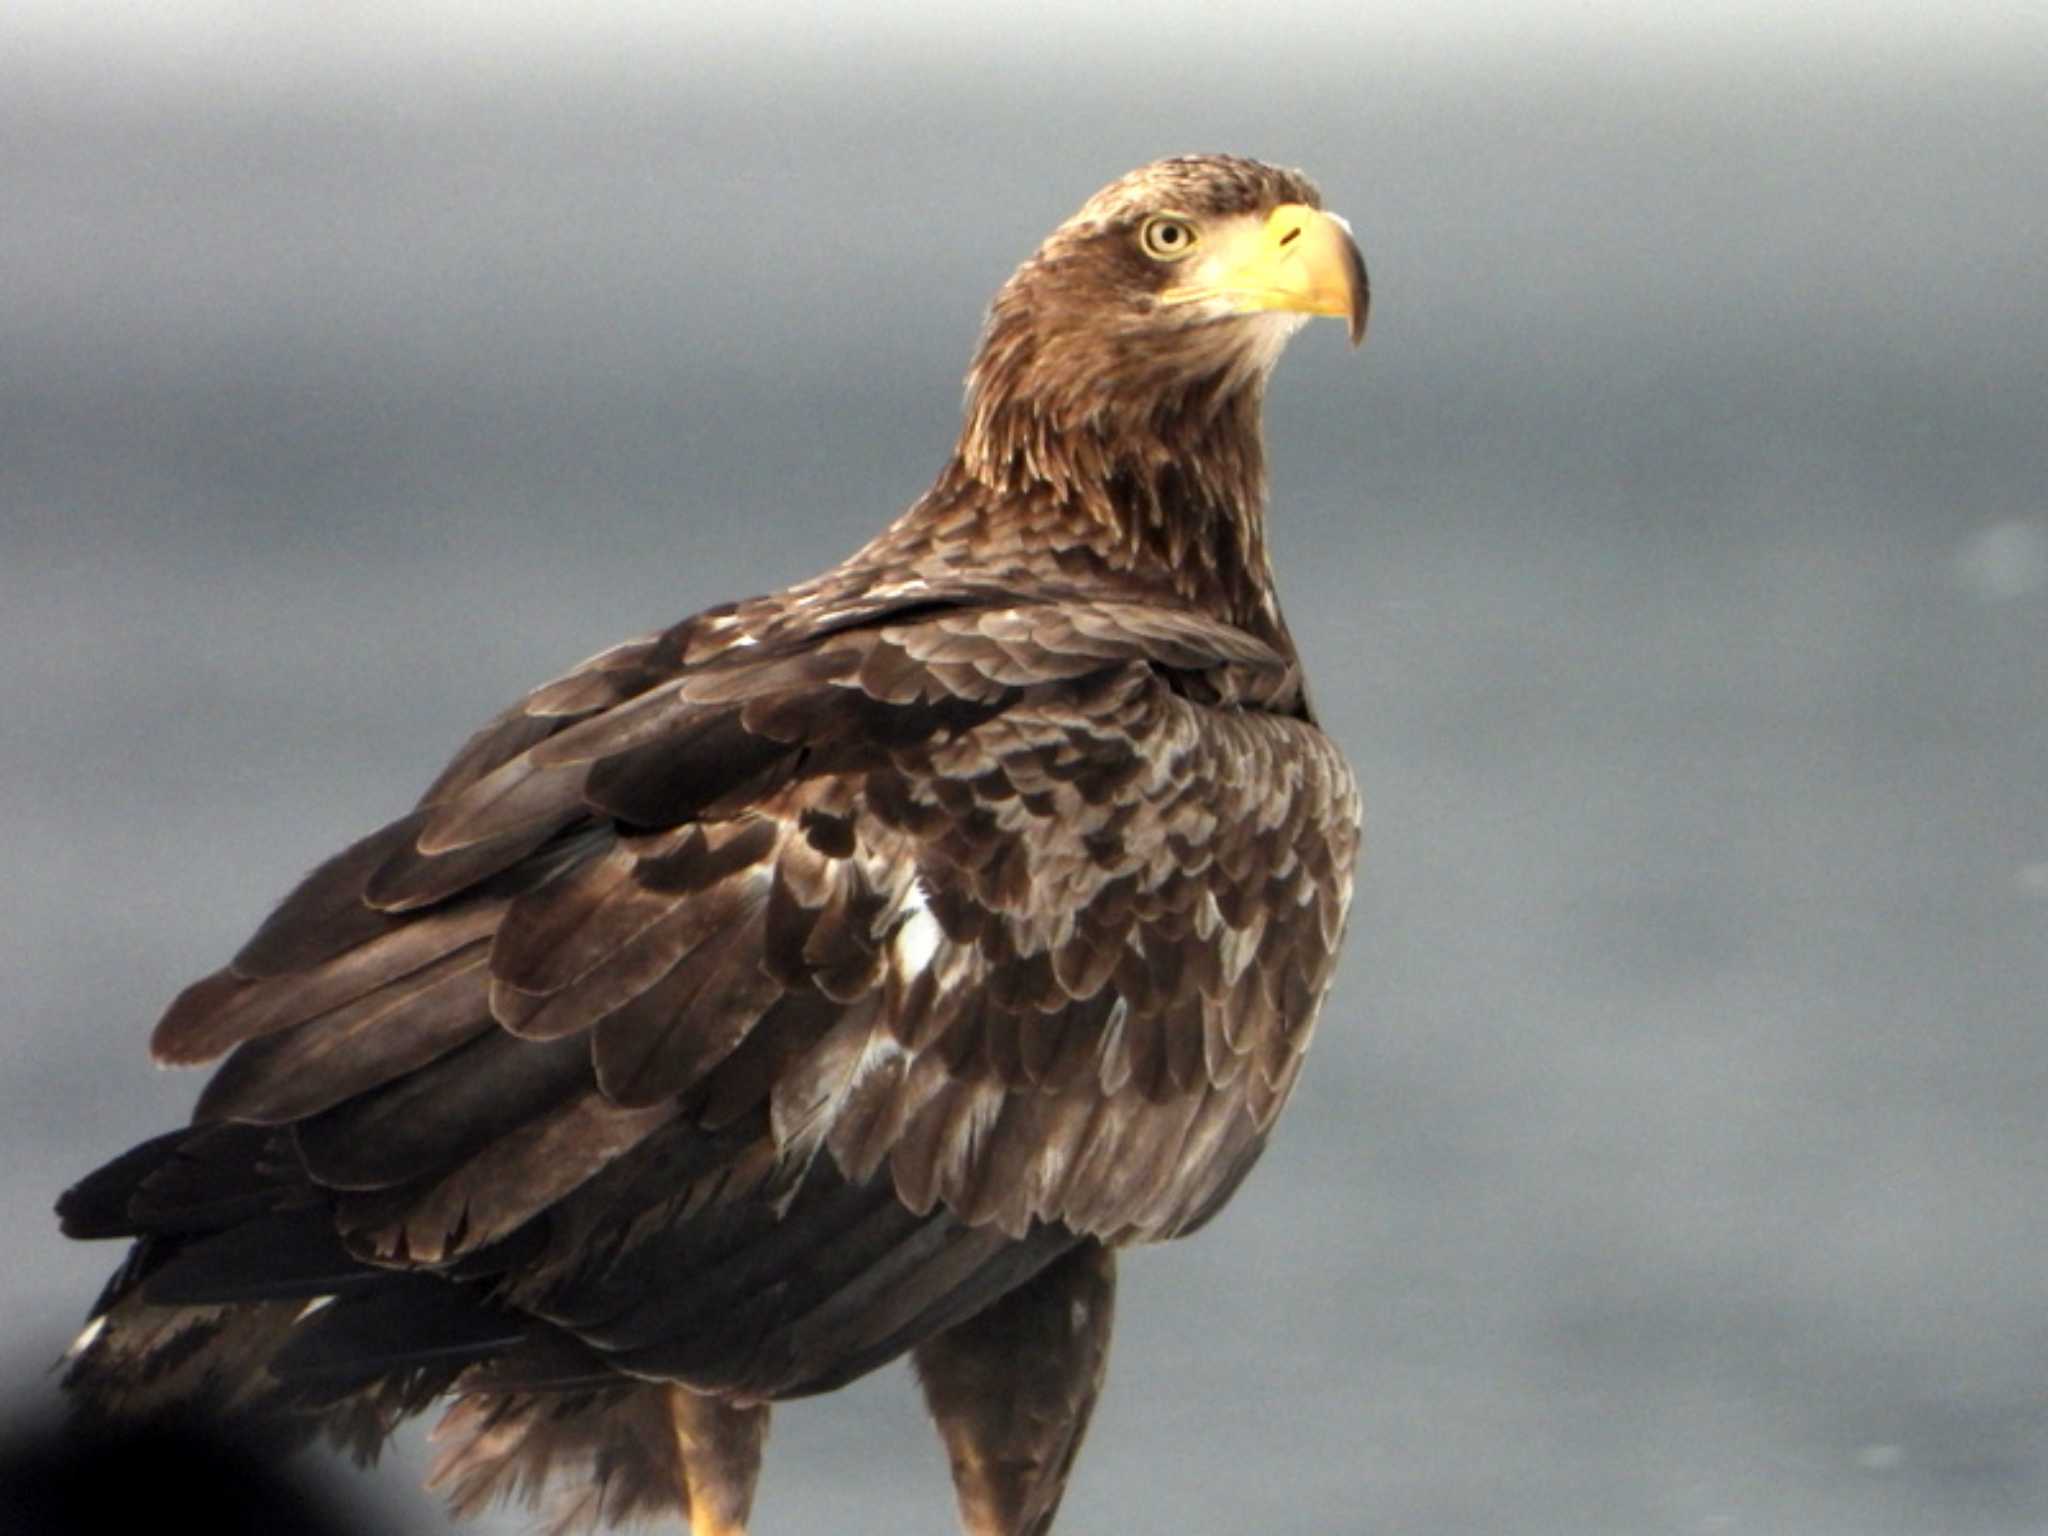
(1178, 283)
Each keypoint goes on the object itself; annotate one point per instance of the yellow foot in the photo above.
(719, 1448)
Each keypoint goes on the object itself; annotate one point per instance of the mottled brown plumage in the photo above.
(839, 974)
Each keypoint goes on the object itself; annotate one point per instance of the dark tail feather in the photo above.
(245, 1309)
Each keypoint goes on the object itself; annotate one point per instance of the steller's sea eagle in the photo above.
(839, 974)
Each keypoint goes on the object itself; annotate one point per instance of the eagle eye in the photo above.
(1167, 237)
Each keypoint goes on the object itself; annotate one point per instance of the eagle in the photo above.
(836, 975)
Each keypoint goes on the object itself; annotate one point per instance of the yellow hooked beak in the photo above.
(1301, 259)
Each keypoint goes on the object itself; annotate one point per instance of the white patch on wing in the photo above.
(87, 1337)
(1114, 1062)
(918, 939)
(726, 634)
(893, 591)
(814, 1093)
(317, 1304)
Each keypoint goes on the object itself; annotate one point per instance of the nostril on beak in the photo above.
(1291, 236)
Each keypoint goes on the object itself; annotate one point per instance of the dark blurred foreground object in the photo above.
(838, 975)
(178, 1472)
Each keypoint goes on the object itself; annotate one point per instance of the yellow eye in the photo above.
(1167, 237)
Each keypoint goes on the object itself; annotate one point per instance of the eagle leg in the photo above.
(719, 1447)
(1011, 1390)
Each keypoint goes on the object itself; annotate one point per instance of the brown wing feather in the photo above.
(850, 972)
(1105, 840)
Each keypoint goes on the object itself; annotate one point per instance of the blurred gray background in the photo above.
(1673, 564)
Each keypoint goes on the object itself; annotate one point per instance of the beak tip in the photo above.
(1360, 307)
(1360, 286)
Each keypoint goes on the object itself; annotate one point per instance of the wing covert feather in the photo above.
(1019, 913)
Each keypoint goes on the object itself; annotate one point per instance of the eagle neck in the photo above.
(1167, 495)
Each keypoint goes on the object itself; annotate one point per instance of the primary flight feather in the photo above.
(839, 974)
